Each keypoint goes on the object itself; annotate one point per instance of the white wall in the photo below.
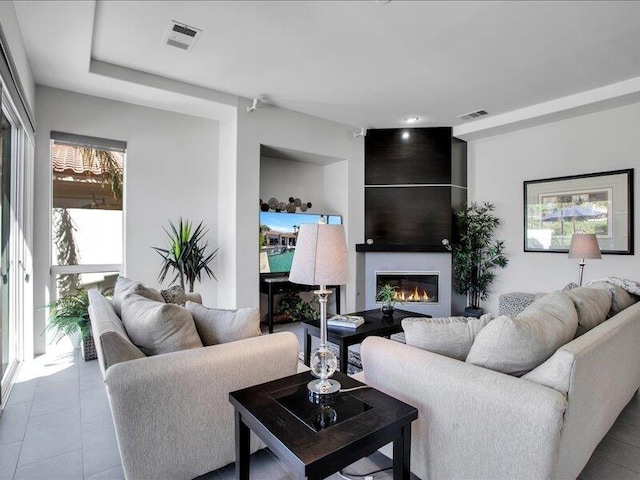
(278, 127)
(282, 179)
(171, 170)
(13, 35)
(597, 142)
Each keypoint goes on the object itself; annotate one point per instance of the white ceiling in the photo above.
(363, 63)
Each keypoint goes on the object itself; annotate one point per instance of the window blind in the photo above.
(86, 141)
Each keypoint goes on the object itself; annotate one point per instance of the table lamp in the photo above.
(584, 245)
(320, 258)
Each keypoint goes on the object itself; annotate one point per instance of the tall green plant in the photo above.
(186, 254)
(477, 255)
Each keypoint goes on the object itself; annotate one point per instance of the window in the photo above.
(87, 215)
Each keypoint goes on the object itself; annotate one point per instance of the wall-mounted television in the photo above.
(278, 233)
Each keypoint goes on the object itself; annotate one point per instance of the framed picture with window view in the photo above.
(599, 203)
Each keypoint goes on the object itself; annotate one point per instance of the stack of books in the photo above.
(348, 321)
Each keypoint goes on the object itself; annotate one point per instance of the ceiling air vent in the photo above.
(181, 36)
(472, 115)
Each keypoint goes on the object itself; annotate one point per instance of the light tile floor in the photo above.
(57, 425)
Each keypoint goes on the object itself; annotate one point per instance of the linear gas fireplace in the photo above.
(411, 287)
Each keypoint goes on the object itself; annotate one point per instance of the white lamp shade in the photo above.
(320, 257)
(584, 245)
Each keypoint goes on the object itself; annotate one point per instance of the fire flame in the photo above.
(416, 296)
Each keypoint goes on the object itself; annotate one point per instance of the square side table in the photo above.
(315, 440)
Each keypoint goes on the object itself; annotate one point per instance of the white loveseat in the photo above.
(476, 423)
(171, 411)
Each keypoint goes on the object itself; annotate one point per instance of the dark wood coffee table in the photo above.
(374, 324)
(316, 441)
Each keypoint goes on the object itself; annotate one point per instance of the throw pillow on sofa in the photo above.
(448, 336)
(620, 298)
(217, 326)
(592, 306)
(124, 287)
(175, 294)
(158, 327)
(516, 346)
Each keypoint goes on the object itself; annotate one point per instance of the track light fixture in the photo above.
(254, 106)
(361, 133)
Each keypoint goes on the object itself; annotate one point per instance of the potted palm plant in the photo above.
(477, 254)
(186, 254)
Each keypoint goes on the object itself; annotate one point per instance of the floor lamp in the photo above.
(584, 245)
(320, 258)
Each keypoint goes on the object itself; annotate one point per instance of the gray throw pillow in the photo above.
(620, 298)
(217, 326)
(158, 327)
(175, 295)
(448, 336)
(592, 305)
(124, 287)
(516, 346)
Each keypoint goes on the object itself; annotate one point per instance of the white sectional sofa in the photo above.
(171, 411)
(477, 423)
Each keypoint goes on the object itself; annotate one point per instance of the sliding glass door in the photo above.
(7, 329)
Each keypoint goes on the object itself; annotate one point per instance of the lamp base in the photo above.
(322, 390)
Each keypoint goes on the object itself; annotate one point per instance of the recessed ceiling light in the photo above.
(405, 135)
(411, 119)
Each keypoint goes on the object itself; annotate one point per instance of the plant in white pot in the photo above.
(477, 255)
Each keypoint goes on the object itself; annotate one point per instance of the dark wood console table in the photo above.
(276, 285)
(374, 324)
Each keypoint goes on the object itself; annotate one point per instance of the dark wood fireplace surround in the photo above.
(415, 181)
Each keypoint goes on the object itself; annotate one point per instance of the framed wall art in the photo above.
(600, 203)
